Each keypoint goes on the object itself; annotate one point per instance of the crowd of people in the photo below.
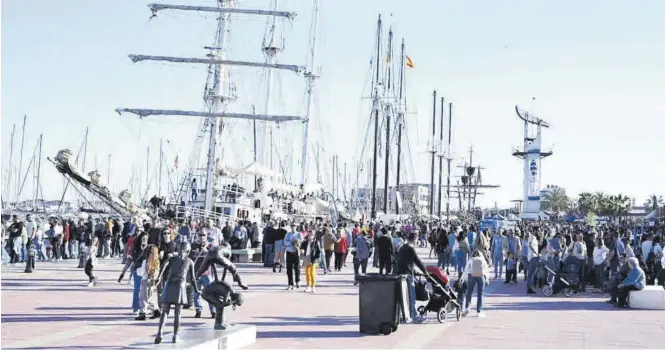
(607, 259)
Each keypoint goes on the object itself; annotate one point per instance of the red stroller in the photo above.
(443, 299)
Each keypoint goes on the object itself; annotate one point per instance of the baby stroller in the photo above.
(443, 300)
(567, 280)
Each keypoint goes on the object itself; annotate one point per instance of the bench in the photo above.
(649, 298)
(205, 337)
(244, 254)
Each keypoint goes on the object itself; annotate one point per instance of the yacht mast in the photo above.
(20, 160)
(388, 114)
(376, 107)
(433, 151)
(311, 77)
(8, 195)
(441, 155)
(401, 106)
(38, 173)
(216, 99)
(449, 159)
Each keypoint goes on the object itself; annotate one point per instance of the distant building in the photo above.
(414, 199)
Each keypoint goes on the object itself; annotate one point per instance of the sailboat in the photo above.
(385, 131)
(218, 190)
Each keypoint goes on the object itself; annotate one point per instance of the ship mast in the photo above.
(216, 100)
(311, 77)
(401, 106)
(376, 107)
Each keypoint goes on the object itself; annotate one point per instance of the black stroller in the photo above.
(443, 300)
(553, 282)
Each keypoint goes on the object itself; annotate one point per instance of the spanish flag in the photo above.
(409, 62)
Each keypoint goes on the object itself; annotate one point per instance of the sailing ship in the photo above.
(219, 190)
(388, 111)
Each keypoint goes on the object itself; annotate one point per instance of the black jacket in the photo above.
(386, 247)
(406, 258)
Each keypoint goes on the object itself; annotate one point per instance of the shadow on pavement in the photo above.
(81, 308)
(308, 334)
(562, 305)
(322, 321)
(12, 318)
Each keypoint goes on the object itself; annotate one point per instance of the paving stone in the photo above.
(52, 308)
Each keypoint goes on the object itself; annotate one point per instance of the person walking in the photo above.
(476, 274)
(407, 260)
(361, 254)
(311, 252)
(292, 248)
(498, 254)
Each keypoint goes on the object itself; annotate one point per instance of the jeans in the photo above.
(375, 261)
(292, 267)
(24, 252)
(358, 264)
(322, 263)
(460, 260)
(443, 259)
(41, 250)
(137, 291)
(74, 248)
(268, 255)
(203, 282)
(106, 247)
(473, 282)
(412, 295)
(531, 273)
(329, 254)
(600, 275)
(497, 261)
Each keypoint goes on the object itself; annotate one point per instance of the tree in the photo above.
(653, 202)
(555, 200)
(586, 203)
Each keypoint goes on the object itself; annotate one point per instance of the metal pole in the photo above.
(39, 172)
(20, 160)
(449, 159)
(161, 161)
(108, 176)
(440, 162)
(254, 136)
(431, 194)
(470, 183)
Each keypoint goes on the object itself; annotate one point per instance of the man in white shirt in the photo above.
(533, 258)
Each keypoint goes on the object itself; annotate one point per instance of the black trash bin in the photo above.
(381, 302)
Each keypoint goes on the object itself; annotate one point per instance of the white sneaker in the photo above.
(90, 284)
(465, 312)
(313, 289)
(307, 290)
(481, 315)
(289, 288)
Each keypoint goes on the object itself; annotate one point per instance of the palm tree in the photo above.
(653, 202)
(586, 203)
(555, 200)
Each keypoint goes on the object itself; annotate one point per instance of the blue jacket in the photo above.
(635, 278)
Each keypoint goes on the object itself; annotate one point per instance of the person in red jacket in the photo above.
(340, 249)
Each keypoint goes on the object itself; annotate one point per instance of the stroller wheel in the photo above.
(569, 292)
(421, 310)
(442, 315)
(548, 291)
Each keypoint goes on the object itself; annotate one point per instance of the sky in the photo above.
(595, 69)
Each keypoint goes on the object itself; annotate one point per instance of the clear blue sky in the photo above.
(595, 68)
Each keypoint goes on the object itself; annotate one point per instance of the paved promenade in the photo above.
(53, 309)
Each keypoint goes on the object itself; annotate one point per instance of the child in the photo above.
(90, 262)
(511, 269)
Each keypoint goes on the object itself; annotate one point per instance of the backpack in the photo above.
(477, 267)
(464, 247)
